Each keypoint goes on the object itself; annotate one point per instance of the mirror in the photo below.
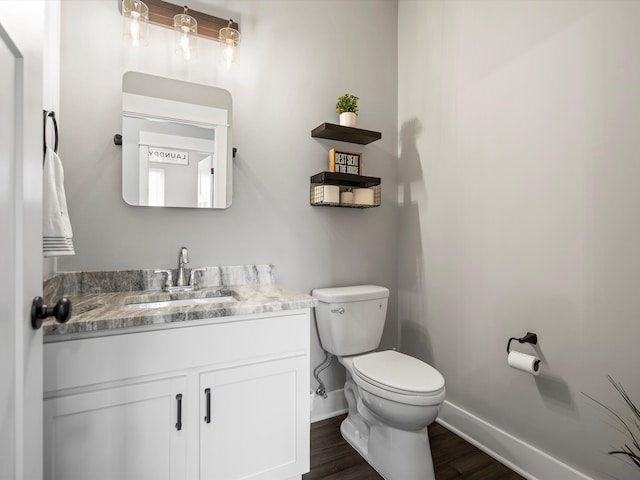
(176, 143)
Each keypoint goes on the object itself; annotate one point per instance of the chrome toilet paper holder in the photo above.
(528, 338)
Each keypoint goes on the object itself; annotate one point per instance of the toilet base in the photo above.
(394, 453)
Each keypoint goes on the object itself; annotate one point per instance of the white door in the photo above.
(252, 424)
(21, 27)
(132, 432)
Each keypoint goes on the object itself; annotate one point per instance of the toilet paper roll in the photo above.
(331, 194)
(363, 196)
(524, 362)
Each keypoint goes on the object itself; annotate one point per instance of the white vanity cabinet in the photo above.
(223, 399)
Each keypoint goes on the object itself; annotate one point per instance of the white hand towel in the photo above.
(56, 226)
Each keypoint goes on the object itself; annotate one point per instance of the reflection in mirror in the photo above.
(176, 143)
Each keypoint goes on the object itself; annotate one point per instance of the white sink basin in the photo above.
(186, 302)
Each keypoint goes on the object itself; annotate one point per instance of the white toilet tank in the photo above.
(351, 319)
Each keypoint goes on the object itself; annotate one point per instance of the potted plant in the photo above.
(347, 108)
(630, 425)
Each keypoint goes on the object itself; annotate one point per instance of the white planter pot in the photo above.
(348, 119)
(346, 198)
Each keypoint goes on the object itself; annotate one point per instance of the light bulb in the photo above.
(135, 29)
(229, 54)
(135, 15)
(184, 44)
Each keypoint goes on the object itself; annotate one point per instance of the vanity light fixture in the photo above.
(186, 28)
(229, 38)
(188, 24)
(135, 20)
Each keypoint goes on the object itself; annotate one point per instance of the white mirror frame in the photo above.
(180, 103)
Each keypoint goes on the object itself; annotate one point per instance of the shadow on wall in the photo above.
(554, 390)
(556, 394)
(414, 339)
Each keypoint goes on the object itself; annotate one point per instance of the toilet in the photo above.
(391, 397)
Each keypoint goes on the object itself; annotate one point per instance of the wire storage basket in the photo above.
(328, 189)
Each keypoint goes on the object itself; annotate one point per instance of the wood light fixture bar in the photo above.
(161, 13)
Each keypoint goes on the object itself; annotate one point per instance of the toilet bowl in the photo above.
(388, 425)
(402, 390)
(391, 397)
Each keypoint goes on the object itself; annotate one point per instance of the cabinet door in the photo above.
(121, 433)
(258, 423)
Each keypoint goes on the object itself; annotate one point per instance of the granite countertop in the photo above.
(96, 308)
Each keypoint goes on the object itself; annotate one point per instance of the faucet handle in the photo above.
(192, 277)
(168, 279)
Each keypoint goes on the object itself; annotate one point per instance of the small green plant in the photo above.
(347, 103)
(632, 451)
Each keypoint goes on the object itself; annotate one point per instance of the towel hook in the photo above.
(52, 115)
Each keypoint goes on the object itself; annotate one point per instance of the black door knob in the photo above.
(39, 311)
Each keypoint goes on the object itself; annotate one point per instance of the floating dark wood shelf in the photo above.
(345, 179)
(345, 134)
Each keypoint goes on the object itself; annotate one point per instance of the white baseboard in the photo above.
(519, 456)
(323, 408)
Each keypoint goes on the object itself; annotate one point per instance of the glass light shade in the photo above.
(135, 22)
(186, 28)
(229, 38)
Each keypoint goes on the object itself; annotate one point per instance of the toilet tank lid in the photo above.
(355, 293)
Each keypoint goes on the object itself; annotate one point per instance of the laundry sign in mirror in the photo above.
(167, 155)
(176, 143)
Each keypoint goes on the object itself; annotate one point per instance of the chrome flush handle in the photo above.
(339, 310)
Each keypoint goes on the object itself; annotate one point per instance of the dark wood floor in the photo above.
(332, 458)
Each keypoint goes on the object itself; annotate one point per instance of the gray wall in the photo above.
(296, 58)
(518, 211)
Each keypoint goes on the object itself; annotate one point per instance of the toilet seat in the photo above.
(398, 377)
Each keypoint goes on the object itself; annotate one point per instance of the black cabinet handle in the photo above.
(39, 311)
(179, 422)
(207, 392)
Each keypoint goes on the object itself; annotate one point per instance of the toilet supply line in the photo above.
(328, 359)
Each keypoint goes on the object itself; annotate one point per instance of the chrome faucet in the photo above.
(183, 259)
(182, 283)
